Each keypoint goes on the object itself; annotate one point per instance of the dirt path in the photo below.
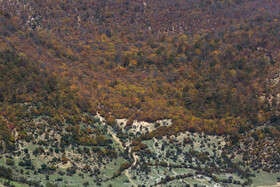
(128, 176)
(276, 185)
(135, 157)
(115, 138)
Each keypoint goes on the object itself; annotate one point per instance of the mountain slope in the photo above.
(148, 92)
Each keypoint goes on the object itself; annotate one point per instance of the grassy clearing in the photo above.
(265, 179)
(16, 184)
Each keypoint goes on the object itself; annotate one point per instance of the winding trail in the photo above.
(276, 185)
(128, 176)
(115, 138)
(135, 157)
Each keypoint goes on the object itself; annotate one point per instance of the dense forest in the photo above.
(211, 66)
(27, 92)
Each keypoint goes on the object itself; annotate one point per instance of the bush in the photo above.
(10, 162)
(6, 172)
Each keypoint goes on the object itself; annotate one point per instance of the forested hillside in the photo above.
(210, 66)
(155, 67)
